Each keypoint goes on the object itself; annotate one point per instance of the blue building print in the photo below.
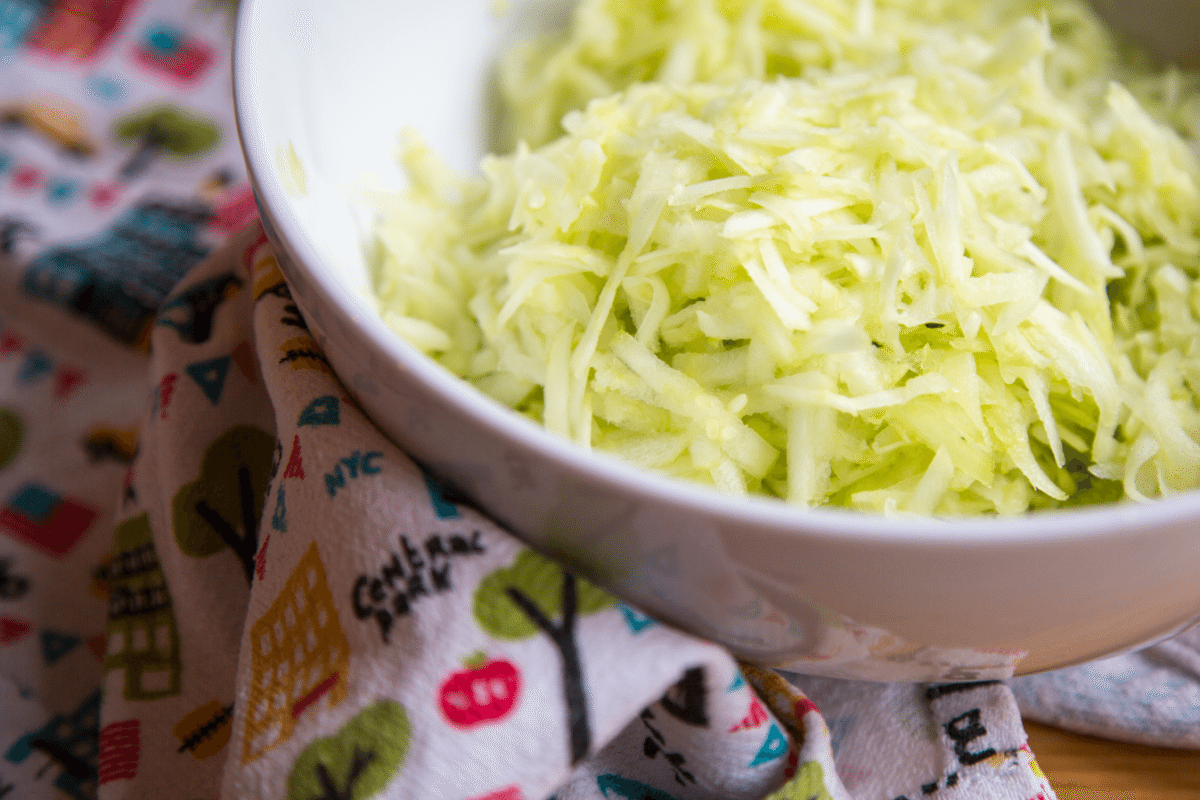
(71, 743)
(120, 279)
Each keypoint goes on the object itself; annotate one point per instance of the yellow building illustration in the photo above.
(299, 655)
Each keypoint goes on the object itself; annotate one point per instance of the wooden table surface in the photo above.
(1086, 768)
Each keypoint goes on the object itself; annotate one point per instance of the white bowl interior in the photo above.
(431, 61)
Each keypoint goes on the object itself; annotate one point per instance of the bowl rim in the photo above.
(1046, 527)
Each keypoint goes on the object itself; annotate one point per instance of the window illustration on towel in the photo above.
(299, 656)
(143, 638)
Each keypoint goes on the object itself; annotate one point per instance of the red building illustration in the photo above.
(171, 52)
(78, 29)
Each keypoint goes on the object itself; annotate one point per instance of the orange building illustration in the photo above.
(299, 656)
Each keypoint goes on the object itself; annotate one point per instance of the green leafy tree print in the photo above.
(164, 129)
(524, 598)
(222, 507)
(358, 761)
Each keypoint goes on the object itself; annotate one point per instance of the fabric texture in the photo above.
(1149, 697)
(388, 637)
(218, 579)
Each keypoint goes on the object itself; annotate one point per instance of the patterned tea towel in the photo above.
(1150, 697)
(218, 579)
(295, 610)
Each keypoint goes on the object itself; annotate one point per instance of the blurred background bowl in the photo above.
(322, 91)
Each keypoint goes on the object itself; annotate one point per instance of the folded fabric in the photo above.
(309, 605)
(297, 610)
(1149, 697)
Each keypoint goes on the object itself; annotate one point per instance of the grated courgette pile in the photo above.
(900, 256)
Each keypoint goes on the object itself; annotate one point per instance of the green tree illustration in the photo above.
(358, 761)
(207, 513)
(165, 129)
(523, 598)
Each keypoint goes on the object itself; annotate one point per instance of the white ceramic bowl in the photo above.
(322, 91)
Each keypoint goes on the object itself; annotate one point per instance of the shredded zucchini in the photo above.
(900, 256)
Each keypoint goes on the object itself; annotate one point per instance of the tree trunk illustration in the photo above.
(358, 765)
(245, 546)
(147, 152)
(525, 598)
(228, 494)
(563, 636)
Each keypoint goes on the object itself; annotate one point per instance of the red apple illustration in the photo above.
(485, 691)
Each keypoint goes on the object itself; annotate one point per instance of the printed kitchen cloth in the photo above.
(298, 611)
(120, 170)
(298, 602)
(1149, 697)
(120, 166)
